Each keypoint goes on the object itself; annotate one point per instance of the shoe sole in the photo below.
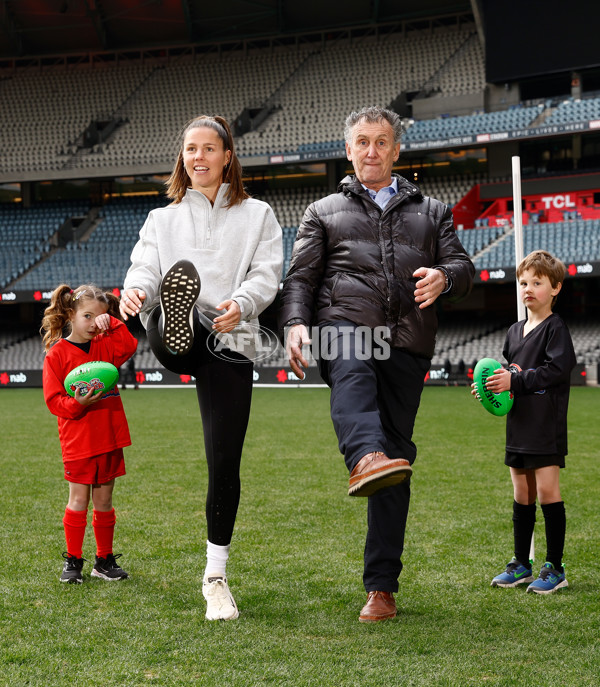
(71, 581)
(386, 478)
(231, 617)
(560, 585)
(179, 291)
(102, 576)
(510, 585)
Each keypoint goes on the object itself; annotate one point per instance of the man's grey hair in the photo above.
(373, 115)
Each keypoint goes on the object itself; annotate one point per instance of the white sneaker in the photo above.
(220, 604)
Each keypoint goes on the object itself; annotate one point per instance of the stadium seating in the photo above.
(25, 234)
(310, 87)
(469, 342)
(44, 112)
(30, 262)
(450, 189)
(24, 354)
(103, 258)
(572, 110)
(490, 122)
(316, 100)
(571, 240)
(586, 341)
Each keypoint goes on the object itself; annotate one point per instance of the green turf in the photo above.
(296, 561)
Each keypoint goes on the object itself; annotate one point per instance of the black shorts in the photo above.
(531, 461)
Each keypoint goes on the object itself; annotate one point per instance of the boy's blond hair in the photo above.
(544, 264)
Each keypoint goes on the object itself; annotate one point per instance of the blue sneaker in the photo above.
(514, 575)
(549, 580)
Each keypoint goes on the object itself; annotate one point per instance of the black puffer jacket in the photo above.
(353, 261)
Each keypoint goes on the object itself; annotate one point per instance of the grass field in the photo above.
(296, 561)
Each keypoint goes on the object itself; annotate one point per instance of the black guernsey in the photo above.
(541, 365)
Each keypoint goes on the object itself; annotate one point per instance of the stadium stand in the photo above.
(572, 241)
(572, 110)
(34, 263)
(24, 354)
(300, 93)
(446, 127)
(45, 113)
(26, 233)
(307, 88)
(450, 188)
(469, 342)
(103, 257)
(316, 100)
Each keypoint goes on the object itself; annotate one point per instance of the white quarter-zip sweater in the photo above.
(237, 251)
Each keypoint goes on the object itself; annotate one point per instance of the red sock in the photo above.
(104, 530)
(75, 522)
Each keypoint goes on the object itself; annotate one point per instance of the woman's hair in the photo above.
(179, 181)
(544, 264)
(65, 302)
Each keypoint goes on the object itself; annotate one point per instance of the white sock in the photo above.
(216, 559)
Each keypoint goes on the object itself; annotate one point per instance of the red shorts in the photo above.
(97, 469)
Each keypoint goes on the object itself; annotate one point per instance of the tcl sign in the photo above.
(559, 202)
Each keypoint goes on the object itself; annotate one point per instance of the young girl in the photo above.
(92, 429)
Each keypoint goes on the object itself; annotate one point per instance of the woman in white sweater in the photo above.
(214, 251)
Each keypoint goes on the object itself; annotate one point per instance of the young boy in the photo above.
(540, 354)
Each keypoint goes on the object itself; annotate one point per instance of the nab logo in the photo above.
(6, 378)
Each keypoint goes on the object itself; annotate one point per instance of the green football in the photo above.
(96, 375)
(496, 404)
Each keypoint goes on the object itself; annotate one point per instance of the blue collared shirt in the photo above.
(385, 194)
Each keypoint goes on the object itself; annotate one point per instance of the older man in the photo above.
(368, 265)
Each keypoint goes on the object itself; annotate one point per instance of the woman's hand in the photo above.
(229, 319)
(131, 303)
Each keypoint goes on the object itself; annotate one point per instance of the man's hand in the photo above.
(431, 283)
(296, 338)
(131, 303)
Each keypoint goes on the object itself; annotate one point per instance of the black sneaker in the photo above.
(107, 568)
(179, 291)
(72, 567)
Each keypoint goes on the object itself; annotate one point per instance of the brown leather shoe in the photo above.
(379, 606)
(375, 471)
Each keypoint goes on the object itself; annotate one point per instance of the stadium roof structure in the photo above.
(36, 28)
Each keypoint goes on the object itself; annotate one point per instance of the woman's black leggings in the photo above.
(224, 388)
